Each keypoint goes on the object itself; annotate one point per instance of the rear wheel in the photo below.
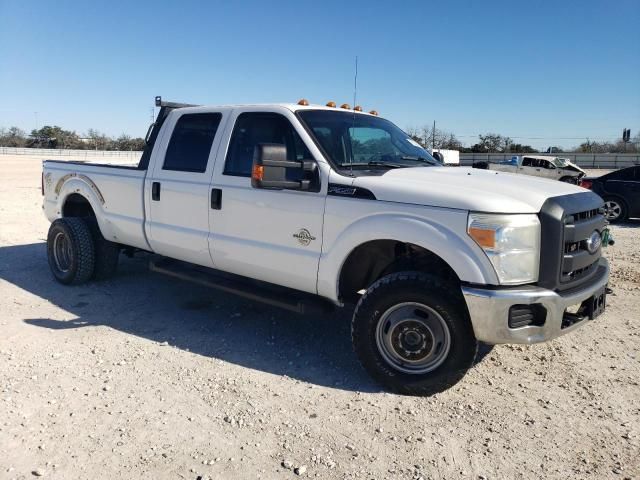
(615, 209)
(70, 250)
(412, 334)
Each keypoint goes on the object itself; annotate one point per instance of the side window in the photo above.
(191, 141)
(252, 129)
(527, 162)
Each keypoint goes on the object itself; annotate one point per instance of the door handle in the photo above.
(216, 198)
(155, 191)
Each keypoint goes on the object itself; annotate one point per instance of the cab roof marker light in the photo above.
(346, 106)
(357, 108)
(374, 112)
(331, 104)
(304, 102)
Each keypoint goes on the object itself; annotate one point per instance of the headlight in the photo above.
(512, 243)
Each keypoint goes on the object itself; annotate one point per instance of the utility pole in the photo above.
(626, 137)
(433, 137)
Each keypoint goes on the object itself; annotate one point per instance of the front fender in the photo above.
(442, 233)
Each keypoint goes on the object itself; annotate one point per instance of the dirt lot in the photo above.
(145, 377)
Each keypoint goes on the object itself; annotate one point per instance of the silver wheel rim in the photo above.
(413, 338)
(62, 252)
(613, 209)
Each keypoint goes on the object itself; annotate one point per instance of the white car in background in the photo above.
(555, 168)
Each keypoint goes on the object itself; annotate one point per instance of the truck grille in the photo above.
(577, 261)
(567, 223)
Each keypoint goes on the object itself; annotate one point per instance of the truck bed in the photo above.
(115, 193)
(129, 166)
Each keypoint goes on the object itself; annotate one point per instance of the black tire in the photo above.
(107, 254)
(414, 288)
(571, 180)
(70, 251)
(616, 210)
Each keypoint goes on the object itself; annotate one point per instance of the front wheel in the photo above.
(571, 180)
(412, 334)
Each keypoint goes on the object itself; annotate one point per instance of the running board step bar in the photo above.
(267, 293)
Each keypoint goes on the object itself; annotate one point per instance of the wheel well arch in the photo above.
(376, 258)
(614, 196)
(76, 205)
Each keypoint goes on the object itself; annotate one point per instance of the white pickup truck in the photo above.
(294, 203)
(554, 168)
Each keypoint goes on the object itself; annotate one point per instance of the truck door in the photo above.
(548, 170)
(529, 166)
(271, 235)
(177, 186)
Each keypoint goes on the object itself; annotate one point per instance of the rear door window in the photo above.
(191, 141)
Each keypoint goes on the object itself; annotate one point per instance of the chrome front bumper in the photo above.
(489, 310)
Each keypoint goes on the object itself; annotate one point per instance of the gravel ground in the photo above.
(144, 376)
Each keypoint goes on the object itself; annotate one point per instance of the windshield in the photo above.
(560, 162)
(363, 141)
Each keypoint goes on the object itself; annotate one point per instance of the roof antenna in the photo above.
(355, 83)
(355, 92)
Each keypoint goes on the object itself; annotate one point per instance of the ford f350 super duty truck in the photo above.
(293, 203)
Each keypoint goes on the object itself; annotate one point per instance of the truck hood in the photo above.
(465, 188)
(574, 167)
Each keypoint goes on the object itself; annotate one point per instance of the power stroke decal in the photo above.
(338, 190)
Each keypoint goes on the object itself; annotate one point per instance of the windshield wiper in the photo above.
(379, 163)
(417, 159)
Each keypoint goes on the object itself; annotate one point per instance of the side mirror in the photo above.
(438, 156)
(270, 167)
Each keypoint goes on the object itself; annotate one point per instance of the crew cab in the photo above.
(554, 168)
(293, 204)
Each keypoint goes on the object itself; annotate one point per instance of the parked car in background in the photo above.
(448, 157)
(555, 168)
(620, 191)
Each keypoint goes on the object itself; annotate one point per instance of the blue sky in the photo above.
(548, 69)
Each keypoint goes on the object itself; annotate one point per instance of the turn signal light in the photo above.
(374, 112)
(346, 106)
(304, 102)
(357, 108)
(331, 104)
(257, 172)
(486, 238)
